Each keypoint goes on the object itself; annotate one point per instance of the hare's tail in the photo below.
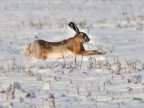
(28, 51)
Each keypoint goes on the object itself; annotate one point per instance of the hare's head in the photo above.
(82, 36)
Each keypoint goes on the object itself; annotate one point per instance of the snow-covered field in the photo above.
(115, 80)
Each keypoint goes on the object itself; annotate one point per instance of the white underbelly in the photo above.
(59, 54)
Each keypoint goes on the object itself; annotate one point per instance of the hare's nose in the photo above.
(88, 39)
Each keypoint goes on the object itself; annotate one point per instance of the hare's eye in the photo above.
(81, 34)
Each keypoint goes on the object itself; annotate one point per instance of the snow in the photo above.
(114, 80)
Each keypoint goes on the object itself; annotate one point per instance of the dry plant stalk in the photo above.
(53, 102)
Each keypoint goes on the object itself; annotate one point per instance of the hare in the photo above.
(42, 49)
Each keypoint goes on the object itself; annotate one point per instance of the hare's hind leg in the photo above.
(36, 50)
(43, 57)
(44, 54)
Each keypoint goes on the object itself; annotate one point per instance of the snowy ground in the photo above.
(115, 80)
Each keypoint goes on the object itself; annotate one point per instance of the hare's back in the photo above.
(43, 44)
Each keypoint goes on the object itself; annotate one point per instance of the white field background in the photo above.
(115, 80)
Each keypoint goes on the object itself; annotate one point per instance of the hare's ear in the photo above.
(74, 27)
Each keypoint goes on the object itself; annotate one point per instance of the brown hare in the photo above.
(42, 49)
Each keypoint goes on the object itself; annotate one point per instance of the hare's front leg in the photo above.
(90, 52)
